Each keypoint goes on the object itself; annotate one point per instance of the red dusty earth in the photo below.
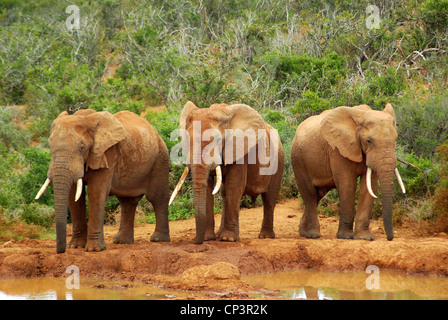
(217, 266)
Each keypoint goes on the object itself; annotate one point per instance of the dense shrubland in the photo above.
(287, 59)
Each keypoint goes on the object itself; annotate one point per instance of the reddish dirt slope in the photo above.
(217, 266)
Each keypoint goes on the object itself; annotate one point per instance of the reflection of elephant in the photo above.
(332, 150)
(121, 155)
(239, 175)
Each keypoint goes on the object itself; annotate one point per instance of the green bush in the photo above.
(387, 84)
(420, 177)
(440, 206)
(10, 135)
(32, 178)
(422, 125)
(37, 214)
(310, 104)
(435, 13)
(307, 73)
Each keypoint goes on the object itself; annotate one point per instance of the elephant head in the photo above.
(208, 144)
(78, 143)
(362, 134)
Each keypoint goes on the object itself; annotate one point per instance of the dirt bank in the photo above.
(175, 264)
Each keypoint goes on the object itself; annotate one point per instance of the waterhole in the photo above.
(310, 284)
(47, 288)
(298, 284)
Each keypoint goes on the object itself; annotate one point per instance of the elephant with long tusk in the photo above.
(220, 142)
(120, 155)
(332, 150)
(184, 176)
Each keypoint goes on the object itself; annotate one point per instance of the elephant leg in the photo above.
(309, 224)
(267, 226)
(365, 203)
(235, 183)
(158, 195)
(210, 218)
(126, 231)
(269, 200)
(79, 219)
(347, 190)
(98, 189)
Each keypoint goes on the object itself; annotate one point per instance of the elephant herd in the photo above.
(225, 147)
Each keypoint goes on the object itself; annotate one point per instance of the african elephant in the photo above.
(237, 131)
(120, 155)
(332, 150)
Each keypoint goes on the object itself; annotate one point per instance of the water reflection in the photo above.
(47, 288)
(310, 284)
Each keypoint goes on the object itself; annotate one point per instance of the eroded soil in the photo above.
(216, 266)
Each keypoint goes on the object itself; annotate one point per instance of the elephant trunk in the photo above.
(386, 172)
(200, 176)
(387, 185)
(62, 182)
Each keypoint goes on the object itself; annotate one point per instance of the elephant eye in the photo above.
(82, 147)
(369, 141)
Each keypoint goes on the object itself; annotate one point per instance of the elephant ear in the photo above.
(188, 107)
(340, 129)
(244, 123)
(107, 131)
(389, 109)
(84, 112)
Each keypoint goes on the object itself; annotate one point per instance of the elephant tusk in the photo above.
(179, 185)
(400, 182)
(218, 180)
(42, 190)
(369, 182)
(78, 189)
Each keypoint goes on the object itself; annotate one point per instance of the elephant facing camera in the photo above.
(332, 150)
(119, 155)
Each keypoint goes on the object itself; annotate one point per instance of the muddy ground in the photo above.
(217, 266)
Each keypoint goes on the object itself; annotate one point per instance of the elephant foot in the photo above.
(95, 245)
(122, 238)
(227, 235)
(310, 234)
(159, 236)
(209, 235)
(77, 242)
(364, 235)
(266, 233)
(345, 234)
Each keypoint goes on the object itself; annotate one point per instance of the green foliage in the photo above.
(388, 84)
(311, 104)
(435, 13)
(288, 60)
(10, 135)
(422, 125)
(301, 74)
(420, 176)
(33, 177)
(165, 123)
(440, 206)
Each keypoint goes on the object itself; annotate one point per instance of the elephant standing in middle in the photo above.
(240, 173)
